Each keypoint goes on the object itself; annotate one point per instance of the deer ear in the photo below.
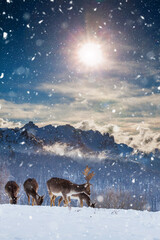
(86, 185)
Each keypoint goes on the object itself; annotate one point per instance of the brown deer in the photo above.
(64, 188)
(31, 189)
(80, 195)
(83, 196)
(12, 190)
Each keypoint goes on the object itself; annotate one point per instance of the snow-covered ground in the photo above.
(46, 223)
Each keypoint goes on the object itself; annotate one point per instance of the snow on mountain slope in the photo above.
(77, 144)
(61, 140)
(40, 223)
(88, 140)
(67, 141)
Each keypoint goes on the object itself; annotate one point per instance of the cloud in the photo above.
(9, 124)
(137, 136)
(62, 149)
(26, 111)
(106, 104)
(88, 125)
(145, 140)
(104, 101)
(110, 97)
(91, 88)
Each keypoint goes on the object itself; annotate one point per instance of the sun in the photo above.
(90, 54)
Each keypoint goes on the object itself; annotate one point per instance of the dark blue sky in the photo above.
(40, 79)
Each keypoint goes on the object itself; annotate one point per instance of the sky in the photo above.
(44, 80)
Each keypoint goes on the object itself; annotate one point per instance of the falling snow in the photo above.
(2, 75)
(45, 78)
(5, 35)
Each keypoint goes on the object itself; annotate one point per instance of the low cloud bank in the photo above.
(141, 137)
(9, 124)
(87, 125)
(145, 140)
(62, 149)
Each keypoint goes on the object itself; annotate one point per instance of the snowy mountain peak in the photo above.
(29, 126)
(68, 141)
(88, 141)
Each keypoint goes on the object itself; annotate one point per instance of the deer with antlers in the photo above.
(31, 189)
(79, 192)
(12, 190)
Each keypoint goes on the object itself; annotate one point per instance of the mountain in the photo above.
(63, 140)
(64, 151)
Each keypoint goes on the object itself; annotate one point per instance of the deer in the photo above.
(31, 189)
(12, 190)
(83, 196)
(80, 197)
(72, 194)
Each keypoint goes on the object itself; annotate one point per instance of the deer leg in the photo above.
(32, 201)
(51, 196)
(50, 201)
(59, 201)
(69, 200)
(53, 200)
(28, 199)
(81, 202)
(65, 201)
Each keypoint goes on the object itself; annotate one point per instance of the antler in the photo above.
(89, 176)
(86, 171)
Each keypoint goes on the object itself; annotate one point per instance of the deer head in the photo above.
(39, 199)
(93, 205)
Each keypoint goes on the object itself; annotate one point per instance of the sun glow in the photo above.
(90, 54)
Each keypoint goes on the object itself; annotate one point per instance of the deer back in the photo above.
(59, 185)
(31, 186)
(83, 197)
(12, 189)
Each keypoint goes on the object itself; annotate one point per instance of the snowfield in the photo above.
(46, 223)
